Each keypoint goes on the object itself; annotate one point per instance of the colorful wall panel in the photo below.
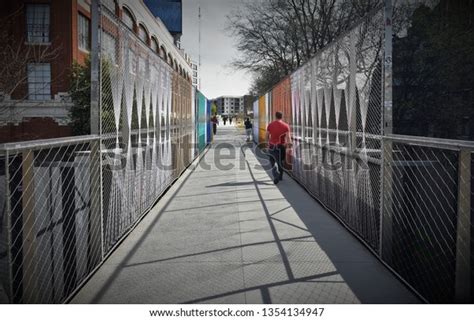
(262, 117)
(255, 121)
(208, 121)
(201, 121)
(281, 100)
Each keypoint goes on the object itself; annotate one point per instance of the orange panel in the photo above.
(262, 118)
(281, 99)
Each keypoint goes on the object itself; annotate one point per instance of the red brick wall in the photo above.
(77, 54)
(61, 31)
(61, 35)
(33, 129)
(63, 38)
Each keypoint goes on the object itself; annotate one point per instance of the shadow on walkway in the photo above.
(235, 237)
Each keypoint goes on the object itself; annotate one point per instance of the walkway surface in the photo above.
(226, 234)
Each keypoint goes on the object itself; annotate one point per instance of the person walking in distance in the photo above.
(278, 137)
(215, 122)
(248, 129)
(230, 120)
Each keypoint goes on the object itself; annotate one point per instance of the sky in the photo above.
(217, 47)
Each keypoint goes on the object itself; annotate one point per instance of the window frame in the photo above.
(44, 93)
(155, 46)
(81, 17)
(32, 36)
(109, 45)
(128, 13)
(143, 33)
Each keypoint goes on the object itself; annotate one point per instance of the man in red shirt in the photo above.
(278, 136)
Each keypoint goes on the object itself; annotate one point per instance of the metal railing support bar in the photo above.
(463, 239)
(95, 67)
(28, 232)
(8, 226)
(385, 225)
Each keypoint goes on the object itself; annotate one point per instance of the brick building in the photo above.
(49, 36)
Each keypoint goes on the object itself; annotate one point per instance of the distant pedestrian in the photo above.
(278, 137)
(230, 120)
(214, 122)
(248, 129)
(225, 120)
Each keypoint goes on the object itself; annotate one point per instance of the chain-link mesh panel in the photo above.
(53, 218)
(425, 231)
(336, 115)
(4, 261)
(147, 124)
(340, 157)
(69, 201)
(472, 228)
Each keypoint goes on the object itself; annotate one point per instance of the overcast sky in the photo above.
(217, 47)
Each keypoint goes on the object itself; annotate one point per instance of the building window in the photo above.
(154, 46)
(83, 30)
(163, 52)
(127, 19)
(37, 23)
(132, 61)
(39, 81)
(142, 34)
(109, 46)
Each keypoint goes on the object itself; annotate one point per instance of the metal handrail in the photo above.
(46, 143)
(438, 143)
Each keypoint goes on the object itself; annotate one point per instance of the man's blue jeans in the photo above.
(277, 156)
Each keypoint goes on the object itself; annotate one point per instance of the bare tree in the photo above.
(274, 37)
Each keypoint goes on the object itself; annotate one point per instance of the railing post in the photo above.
(386, 200)
(30, 294)
(95, 67)
(96, 232)
(95, 221)
(463, 239)
(9, 227)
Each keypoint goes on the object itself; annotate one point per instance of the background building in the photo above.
(229, 105)
(195, 74)
(51, 35)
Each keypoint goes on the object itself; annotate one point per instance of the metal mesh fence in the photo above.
(336, 118)
(67, 202)
(409, 199)
(147, 126)
(472, 229)
(423, 183)
(52, 229)
(427, 214)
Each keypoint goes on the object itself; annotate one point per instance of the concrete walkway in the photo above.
(229, 235)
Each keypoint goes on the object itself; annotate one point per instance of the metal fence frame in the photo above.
(138, 158)
(308, 128)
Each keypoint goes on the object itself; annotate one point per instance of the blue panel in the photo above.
(169, 11)
(208, 120)
(202, 121)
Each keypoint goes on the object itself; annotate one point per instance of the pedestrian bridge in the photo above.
(151, 207)
(224, 233)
